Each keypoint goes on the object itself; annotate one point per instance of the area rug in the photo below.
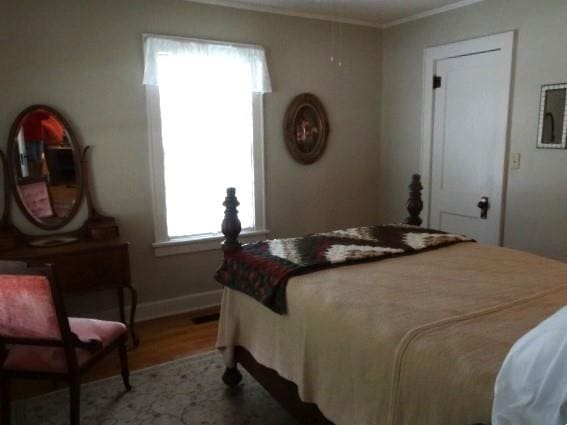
(183, 392)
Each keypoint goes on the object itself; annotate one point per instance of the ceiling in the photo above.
(377, 13)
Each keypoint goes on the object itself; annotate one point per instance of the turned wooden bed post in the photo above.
(415, 203)
(231, 228)
(231, 224)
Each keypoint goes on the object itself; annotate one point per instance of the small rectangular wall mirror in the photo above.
(552, 133)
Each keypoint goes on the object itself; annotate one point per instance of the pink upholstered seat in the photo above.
(52, 359)
(27, 311)
(39, 340)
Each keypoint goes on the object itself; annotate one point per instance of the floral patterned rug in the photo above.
(183, 392)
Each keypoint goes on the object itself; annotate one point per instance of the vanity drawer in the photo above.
(92, 270)
(83, 266)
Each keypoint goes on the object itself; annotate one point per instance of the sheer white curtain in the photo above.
(254, 56)
(206, 106)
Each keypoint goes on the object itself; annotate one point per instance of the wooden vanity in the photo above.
(49, 190)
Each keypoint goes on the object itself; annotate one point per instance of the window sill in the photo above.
(202, 243)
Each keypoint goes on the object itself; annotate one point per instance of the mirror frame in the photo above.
(12, 171)
(543, 115)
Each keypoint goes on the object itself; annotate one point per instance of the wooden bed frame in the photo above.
(281, 389)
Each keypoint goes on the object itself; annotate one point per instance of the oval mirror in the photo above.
(45, 167)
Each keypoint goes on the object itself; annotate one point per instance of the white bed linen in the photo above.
(415, 340)
(531, 388)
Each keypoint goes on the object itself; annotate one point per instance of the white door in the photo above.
(469, 134)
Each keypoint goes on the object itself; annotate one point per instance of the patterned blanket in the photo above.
(262, 269)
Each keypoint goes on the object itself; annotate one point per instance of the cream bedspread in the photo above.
(416, 340)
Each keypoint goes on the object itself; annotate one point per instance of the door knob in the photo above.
(483, 204)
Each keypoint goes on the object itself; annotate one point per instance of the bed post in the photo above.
(415, 203)
(231, 228)
(231, 224)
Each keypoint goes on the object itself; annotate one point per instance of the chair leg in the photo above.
(124, 365)
(5, 414)
(75, 399)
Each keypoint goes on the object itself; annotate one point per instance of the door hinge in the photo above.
(436, 82)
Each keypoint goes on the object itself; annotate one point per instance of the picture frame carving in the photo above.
(306, 128)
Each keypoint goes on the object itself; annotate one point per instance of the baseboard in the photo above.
(169, 307)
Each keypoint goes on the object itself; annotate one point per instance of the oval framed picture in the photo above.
(306, 128)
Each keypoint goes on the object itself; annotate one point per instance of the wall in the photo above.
(84, 58)
(536, 193)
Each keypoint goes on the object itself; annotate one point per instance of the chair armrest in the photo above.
(91, 345)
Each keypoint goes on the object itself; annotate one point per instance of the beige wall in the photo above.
(536, 213)
(84, 57)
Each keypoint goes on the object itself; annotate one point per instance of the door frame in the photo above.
(505, 43)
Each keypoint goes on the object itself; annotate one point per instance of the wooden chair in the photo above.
(39, 340)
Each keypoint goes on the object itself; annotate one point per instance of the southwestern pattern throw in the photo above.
(262, 269)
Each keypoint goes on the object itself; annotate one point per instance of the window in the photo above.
(205, 120)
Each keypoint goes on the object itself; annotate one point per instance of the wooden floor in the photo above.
(161, 340)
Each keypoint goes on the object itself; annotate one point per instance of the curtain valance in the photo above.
(186, 48)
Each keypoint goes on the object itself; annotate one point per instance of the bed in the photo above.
(409, 340)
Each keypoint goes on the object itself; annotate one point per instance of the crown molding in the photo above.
(287, 12)
(428, 13)
(342, 20)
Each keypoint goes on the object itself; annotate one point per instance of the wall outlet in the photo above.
(515, 161)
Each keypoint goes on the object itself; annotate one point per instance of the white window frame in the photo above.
(165, 245)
